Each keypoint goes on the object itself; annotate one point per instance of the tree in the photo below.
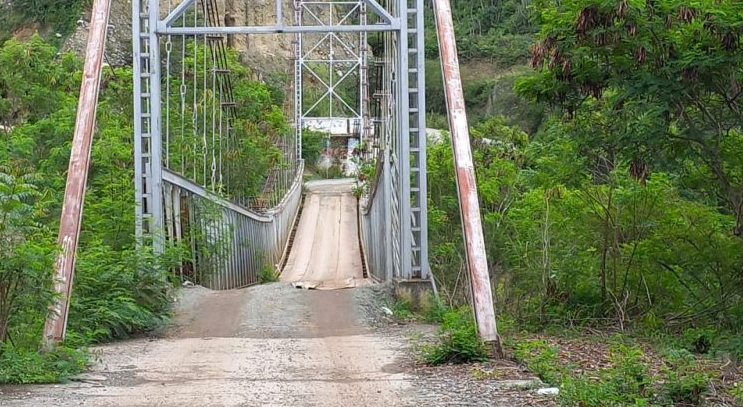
(25, 260)
(666, 73)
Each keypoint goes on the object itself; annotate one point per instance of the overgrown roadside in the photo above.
(119, 290)
(452, 367)
(275, 345)
(559, 367)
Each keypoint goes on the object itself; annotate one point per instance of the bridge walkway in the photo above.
(326, 252)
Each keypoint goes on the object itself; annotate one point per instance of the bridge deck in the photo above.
(326, 254)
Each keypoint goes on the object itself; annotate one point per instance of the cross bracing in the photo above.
(190, 180)
(189, 176)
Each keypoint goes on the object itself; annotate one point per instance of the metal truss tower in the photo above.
(331, 41)
(331, 68)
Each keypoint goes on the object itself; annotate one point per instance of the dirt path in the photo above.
(269, 345)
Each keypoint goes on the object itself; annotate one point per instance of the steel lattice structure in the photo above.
(190, 168)
(331, 68)
(186, 177)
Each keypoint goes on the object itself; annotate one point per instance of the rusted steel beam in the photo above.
(77, 174)
(466, 185)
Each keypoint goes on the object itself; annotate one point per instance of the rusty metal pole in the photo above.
(77, 175)
(465, 175)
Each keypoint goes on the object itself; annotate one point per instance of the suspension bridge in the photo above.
(358, 75)
(185, 132)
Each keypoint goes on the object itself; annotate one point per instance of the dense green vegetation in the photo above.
(493, 40)
(496, 30)
(609, 172)
(627, 380)
(624, 205)
(612, 196)
(49, 16)
(118, 290)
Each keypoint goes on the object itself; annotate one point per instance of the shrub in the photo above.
(401, 309)
(313, 143)
(458, 341)
(437, 312)
(19, 365)
(698, 340)
(625, 383)
(540, 358)
(685, 382)
(628, 382)
(268, 274)
(118, 293)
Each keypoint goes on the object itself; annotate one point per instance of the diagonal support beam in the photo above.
(474, 242)
(77, 176)
(384, 14)
(177, 12)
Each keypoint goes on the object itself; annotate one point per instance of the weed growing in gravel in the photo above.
(627, 381)
(458, 341)
(541, 358)
(401, 309)
(268, 275)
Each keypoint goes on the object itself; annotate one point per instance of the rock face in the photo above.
(118, 40)
(264, 53)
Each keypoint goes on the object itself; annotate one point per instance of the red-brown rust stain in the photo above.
(466, 184)
(77, 173)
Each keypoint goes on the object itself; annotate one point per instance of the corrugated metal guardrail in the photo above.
(375, 238)
(228, 244)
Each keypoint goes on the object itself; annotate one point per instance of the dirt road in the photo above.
(270, 345)
(276, 345)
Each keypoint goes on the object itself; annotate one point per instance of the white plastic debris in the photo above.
(548, 391)
(387, 311)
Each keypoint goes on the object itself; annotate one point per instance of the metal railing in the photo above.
(374, 221)
(228, 244)
(189, 172)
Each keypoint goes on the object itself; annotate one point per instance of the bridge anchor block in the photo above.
(416, 292)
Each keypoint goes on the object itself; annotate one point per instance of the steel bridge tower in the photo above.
(185, 132)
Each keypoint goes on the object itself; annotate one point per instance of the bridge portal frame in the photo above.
(404, 141)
